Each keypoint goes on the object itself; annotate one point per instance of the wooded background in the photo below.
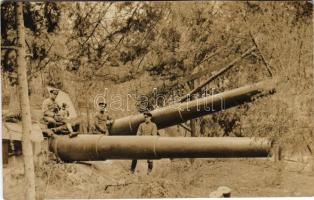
(133, 47)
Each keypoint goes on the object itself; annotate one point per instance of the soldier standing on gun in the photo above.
(102, 120)
(147, 128)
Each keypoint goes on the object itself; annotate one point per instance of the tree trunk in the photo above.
(14, 103)
(87, 114)
(25, 106)
(194, 122)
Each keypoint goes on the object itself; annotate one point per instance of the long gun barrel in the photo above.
(101, 147)
(179, 113)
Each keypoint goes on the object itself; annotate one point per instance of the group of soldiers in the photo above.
(57, 119)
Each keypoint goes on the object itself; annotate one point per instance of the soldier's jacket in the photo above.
(147, 128)
(49, 107)
(64, 113)
(101, 122)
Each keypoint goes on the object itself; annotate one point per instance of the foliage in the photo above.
(117, 42)
(112, 36)
(40, 20)
(285, 116)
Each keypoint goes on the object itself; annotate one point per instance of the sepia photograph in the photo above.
(157, 99)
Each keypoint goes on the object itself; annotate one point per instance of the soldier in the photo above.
(102, 120)
(64, 115)
(147, 128)
(50, 108)
(51, 115)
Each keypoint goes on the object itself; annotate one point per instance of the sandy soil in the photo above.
(176, 178)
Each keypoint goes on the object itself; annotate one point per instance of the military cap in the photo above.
(54, 91)
(146, 113)
(102, 104)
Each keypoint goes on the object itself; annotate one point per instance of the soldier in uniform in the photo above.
(64, 113)
(102, 120)
(50, 108)
(52, 117)
(64, 117)
(147, 128)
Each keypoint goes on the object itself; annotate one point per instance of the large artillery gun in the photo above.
(123, 144)
(182, 112)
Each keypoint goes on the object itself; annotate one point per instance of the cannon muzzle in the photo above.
(101, 147)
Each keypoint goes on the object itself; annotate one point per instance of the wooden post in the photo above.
(87, 114)
(193, 122)
(25, 107)
(5, 152)
(276, 151)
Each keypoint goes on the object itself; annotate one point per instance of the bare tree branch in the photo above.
(223, 70)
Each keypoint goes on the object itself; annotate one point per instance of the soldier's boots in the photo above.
(48, 133)
(150, 166)
(63, 130)
(59, 129)
(133, 166)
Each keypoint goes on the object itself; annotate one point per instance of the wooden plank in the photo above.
(5, 151)
(13, 131)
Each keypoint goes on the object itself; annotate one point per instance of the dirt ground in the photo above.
(176, 178)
